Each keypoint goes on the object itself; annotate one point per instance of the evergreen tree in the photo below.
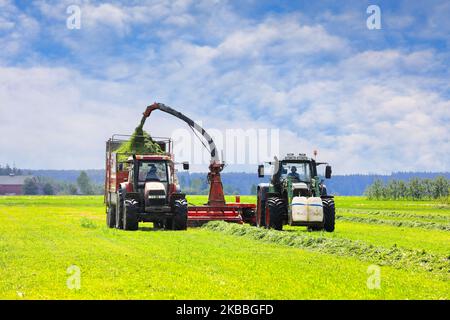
(402, 189)
(440, 187)
(84, 183)
(415, 189)
(72, 189)
(48, 189)
(30, 187)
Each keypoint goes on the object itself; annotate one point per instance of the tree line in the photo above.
(48, 186)
(7, 170)
(413, 189)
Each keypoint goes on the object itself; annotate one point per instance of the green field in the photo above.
(41, 237)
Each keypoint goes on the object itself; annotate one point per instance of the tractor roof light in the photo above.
(291, 156)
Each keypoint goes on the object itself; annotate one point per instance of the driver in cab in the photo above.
(151, 174)
(293, 174)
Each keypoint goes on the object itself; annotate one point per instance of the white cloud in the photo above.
(284, 37)
(370, 110)
(18, 31)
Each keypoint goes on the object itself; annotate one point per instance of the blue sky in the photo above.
(368, 100)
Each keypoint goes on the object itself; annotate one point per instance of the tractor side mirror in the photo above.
(328, 172)
(261, 171)
(185, 165)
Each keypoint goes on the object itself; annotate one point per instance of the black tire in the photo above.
(260, 209)
(130, 221)
(119, 210)
(111, 217)
(276, 208)
(261, 218)
(158, 225)
(179, 221)
(329, 214)
(248, 215)
(168, 224)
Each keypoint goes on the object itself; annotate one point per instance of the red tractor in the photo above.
(143, 188)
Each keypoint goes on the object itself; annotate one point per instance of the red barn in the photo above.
(12, 185)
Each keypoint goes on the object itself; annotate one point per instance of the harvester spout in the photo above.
(160, 106)
(216, 195)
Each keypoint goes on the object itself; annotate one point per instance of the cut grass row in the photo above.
(396, 223)
(394, 256)
(432, 241)
(430, 216)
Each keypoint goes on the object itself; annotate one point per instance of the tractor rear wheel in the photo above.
(260, 209)
(180, 218)
(130, 221)
(275, 207)
(111, 216)
(329, 214)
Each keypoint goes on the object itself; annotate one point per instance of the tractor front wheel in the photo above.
(130, 221)
(180, 218)
(329, 214)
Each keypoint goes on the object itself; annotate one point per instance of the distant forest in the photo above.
(245, 183)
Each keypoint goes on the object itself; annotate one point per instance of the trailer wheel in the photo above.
(130, 221)
(275, 208)
(111, 216)
(329, 214)
(180, 218)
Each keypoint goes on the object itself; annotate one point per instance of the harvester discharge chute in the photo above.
(216, 208)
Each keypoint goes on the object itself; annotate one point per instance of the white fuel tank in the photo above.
(307, 209)
(299, 209)
(315, 209)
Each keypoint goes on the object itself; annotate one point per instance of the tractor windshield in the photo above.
(296, 171)
(152, 171)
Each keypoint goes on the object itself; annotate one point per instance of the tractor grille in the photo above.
(156, 198)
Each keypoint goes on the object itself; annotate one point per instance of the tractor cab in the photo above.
(296, 174)
(143, 188)
(296, 195)
(152, 177)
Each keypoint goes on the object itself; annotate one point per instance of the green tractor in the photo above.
(295, 195)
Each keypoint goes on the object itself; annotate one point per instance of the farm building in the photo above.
(12, 185)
